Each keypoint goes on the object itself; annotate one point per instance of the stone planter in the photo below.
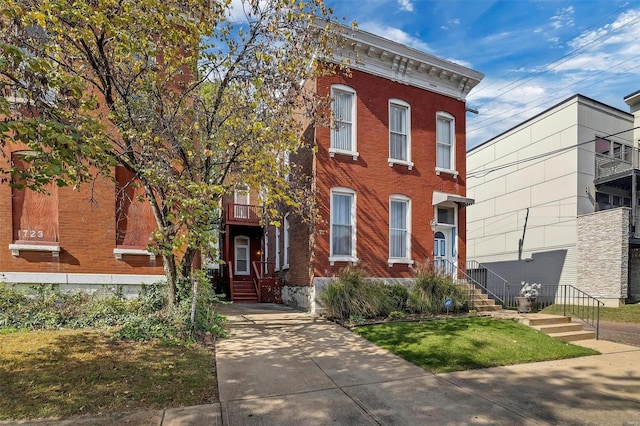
(525, 304)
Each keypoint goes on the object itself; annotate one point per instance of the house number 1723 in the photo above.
(30, 233)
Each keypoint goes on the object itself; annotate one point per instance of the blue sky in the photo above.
(534, 54)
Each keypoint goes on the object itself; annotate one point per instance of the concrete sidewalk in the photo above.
(283, 367)
(280, 367)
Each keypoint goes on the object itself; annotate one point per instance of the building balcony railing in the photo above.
(243, 214)
(607, 166)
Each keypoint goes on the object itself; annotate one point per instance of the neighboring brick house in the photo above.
(78, 239)
(563, 183)
(389, 173)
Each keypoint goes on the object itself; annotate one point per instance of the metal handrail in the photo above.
(461, 277)
(577, 303)
(493, 280)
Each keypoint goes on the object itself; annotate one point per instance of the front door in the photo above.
(444, 249)
(242, 256)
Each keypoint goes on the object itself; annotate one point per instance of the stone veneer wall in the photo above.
(603, 254)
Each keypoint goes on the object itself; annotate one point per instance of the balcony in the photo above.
(617, 171)
(243, 214)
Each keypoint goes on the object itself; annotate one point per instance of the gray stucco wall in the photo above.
(603, 254)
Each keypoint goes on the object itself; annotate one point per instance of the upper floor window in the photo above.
(241, 201)
(399, 229)
(343, 225)
(343, 126)
(399, 133)
(613, 149)
(445, 142)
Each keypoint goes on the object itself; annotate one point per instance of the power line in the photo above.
(548, 100)
(481, 173)
(480, 89)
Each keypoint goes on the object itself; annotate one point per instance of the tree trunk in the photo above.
(170, 272)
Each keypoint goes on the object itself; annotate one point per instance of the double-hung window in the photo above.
(343, 225)
(445, 143)
(399, 229)
(399, 133)
(343, 126)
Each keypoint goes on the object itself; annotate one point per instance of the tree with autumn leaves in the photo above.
(191, 96)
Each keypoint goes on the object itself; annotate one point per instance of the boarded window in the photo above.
(134, 218)
(35, 214)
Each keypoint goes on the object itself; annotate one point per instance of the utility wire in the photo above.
(598, 24)
(481, 173)
(547, 100)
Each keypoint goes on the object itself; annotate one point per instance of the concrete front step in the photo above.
(559, 328)
(556, 326)
(572, 336)
(487, 308)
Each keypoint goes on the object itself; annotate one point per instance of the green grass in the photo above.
(67, 372)
(441, 346)
(627, 313)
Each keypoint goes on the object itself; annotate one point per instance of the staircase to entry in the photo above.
(244, 292)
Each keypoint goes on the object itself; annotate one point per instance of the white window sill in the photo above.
(353, 259)
(286, 266)
(393, 161)
(446, 171)
(334, 151)
(119, 252)
(400, 261)
(17, 248)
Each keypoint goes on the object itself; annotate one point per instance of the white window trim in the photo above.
(390, 160)
(285, 226)
(343, 258)
(277, 261)
(452, 153)
(354, 120)
(401, 260)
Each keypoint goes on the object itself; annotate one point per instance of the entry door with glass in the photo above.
(242, 259)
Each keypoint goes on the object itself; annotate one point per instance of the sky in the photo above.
(534, 54)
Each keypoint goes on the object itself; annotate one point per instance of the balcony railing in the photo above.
(243, 213)
(607, 166)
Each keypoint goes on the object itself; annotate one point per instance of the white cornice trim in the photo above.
(385, 58)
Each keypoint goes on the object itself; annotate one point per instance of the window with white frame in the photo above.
(285, 225)
(343, 225)
(445, 141)
(399, 229)
(399, 133)
(343, 128)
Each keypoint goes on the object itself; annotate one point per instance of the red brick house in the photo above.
(389, 177)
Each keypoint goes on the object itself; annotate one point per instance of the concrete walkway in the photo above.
(280, 367)
(283, 367)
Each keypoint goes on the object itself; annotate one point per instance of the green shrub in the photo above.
(147, 317)
(398, 296)
(397, 315)
(352, 295)
(431, 289)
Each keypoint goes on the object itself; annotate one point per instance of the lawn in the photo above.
(66, 372)
(441, 346)
(627, 313)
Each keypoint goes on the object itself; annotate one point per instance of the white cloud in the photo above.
(394, 34)
(405, 5)
(563, 18)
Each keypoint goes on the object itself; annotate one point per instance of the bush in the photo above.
(431, 289)
(352, 295)
(46, 307)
